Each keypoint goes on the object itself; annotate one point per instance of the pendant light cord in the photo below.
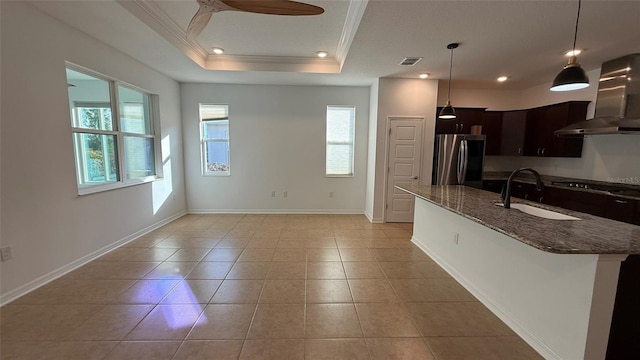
(450, 69)
(575, 33)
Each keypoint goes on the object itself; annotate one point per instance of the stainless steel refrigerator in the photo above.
(458, 159)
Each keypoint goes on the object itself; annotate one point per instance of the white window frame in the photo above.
(204, 141)
(154, 133)
(352, 143)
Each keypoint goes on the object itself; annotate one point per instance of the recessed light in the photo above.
(423, 75)
(575, 52)
(503, 78)
(322, 54)
(217, 50)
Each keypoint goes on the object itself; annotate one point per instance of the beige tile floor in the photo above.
(259, 287)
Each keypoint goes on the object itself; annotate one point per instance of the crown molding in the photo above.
(351, 24)
(149, 13)
(152, 15)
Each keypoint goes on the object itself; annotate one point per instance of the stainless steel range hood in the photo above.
(617, 103)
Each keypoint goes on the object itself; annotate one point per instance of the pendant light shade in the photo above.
(448, 112)
(572, 76)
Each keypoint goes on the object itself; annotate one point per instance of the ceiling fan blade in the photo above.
(274, 7)
(199, 21)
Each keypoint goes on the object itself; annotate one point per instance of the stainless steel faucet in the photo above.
(505, 196)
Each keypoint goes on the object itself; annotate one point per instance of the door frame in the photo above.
(387, 142)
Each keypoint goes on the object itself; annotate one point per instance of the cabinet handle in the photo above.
(541, 198)
(526, 196)
(543, 151)
(461, 127)
(519, 150)
(538, 152)
(457, 125)
(621, 201)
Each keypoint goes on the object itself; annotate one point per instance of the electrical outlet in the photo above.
(5, 253)
(273, 194)
(456, 238)
(284, 194)
(331, 194)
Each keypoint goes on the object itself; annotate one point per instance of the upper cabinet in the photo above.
(466, 118)
(530, 132)
(540, 139)
(492, 129)
(514, 125)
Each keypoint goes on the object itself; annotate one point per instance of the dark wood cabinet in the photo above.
(637, 217)
(466, 118)
(527, 132)
(514, 125)
(624, 335)
(543, 121)
(493, 185)
(621, 209)
(492, 129)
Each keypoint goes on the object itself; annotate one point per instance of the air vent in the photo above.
(410, 61)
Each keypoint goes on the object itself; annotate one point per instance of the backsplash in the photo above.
(610, 158)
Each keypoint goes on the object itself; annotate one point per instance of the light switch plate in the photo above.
(5, 253)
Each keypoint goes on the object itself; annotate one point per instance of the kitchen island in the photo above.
(552, 281)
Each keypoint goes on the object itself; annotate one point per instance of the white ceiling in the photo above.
(365, 40)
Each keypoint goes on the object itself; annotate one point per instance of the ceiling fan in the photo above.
(272, 7)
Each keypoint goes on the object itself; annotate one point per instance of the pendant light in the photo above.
(448, 112)
(572, 76)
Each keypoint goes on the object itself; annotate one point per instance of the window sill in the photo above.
(88, 190)
(339, 176)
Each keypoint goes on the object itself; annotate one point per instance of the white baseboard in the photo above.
(278, 211)
(44, 279)
(497, 310)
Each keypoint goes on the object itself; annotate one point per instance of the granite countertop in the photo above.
(590, 235)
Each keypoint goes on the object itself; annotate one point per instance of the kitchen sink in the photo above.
(543, 213)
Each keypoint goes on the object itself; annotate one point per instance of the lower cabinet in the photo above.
(624, 336)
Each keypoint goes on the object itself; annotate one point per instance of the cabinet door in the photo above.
(552, 196)
(536, 133)
(466, 118)
(492, 129)
(514, 124)
(637, 218)
(444, 126)
(589, 203)
(469, 117)
(493, 185)
(621, 209)
(558, 116)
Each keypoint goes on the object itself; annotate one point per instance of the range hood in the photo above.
(617, 103)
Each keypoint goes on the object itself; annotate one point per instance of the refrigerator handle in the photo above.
(463, 159)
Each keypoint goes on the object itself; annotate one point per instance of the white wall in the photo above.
(561, 304)
(402, 97)
(277, 143)
(604, 157)
(492, 99)
(371, 151)
(49, 227)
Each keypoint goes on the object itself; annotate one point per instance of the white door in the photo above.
(403, 166)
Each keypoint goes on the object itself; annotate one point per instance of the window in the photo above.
(340, 139)
(214, 139)
(114, 146)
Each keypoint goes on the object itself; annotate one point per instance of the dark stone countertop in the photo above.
(590, 235)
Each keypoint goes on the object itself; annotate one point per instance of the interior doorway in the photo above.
(404, 158)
